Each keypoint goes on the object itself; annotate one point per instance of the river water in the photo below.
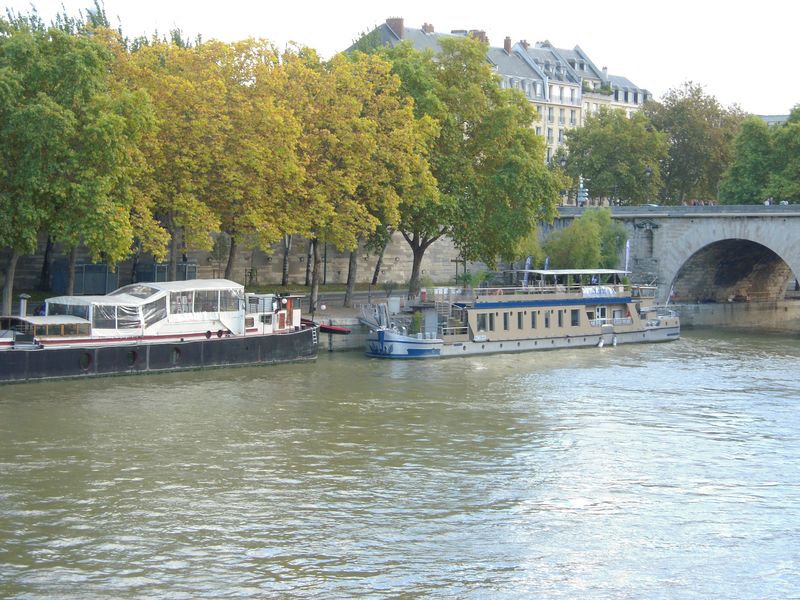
(644, 471)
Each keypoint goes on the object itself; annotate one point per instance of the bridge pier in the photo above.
(776, 315)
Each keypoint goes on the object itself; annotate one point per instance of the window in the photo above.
(538, 130)
(506, 319)
(576, 317)
(154, 311)
(560, 136)
(572, 119)
(181, 302)
(561, 116)
(104, 316)
(572, 95)
(549, 134)
(229, 300)
(137, 290)
(206, 301)
(547, 319)
(128, 317)
(491, 321)
(481, 322)
(550, 114)
(520, 320)
(560, 318)
(533, 319)
(561, 93)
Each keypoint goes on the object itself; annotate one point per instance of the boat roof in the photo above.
(49, 319)
(572, 271)
(119, 297)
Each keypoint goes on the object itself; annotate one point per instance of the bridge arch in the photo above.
(735, 259)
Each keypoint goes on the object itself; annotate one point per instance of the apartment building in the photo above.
(564, 85)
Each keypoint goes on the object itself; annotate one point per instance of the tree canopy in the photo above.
(620, 156)
(69, 146)
(593, 240)
(701, 134)
(493, 185)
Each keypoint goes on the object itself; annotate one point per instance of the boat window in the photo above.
(155, 311)
(547, 319)
(491, 321)
(128, 317)
(76, 310)
(560, 318)
(104, 316)
(70, 329)
(506, 318)
(181, 302)
(576, 317)
(229, 300)
(206, 301)
(520, 320)
(481, 322)
(137, 290)
(533, 319)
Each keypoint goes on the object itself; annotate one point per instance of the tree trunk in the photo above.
(135, 261)
(379, 264)
(44, 276)
(231, 258)
(312, 246)
(173, 252)
(8, 284)
(73, 257)
(416, 266)
(352, 272)
(287, 246)
(315, 278)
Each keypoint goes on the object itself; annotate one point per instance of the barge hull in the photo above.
(35, 364)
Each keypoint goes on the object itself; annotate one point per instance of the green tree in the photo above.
(187, 89)
(360, 147)
(701, 134)
(748, 175)
(593, 240)
(255, 180)
(784, 181)
(68, 146)
(619, 155)
(489, 166)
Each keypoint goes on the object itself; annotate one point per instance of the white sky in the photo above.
(741, 53)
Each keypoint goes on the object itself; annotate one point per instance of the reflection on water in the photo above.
(666, 470)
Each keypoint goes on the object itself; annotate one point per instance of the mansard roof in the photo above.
(549, 62)
(511, 64)
(622, 83)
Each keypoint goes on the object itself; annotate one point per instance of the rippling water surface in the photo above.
(658, 471)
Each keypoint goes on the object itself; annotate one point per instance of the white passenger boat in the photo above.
(559, 309)
(146, 327)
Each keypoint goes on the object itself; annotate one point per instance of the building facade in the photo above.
(564, 85)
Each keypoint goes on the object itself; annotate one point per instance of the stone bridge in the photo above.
(711, 254)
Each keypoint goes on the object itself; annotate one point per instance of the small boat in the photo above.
(563, 308)
(323, 328)
(151, 327)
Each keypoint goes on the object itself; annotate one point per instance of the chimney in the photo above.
(427, 28)
(23, 304)
(480, 35)
(397, 26)
(525, 44)
(507, 45)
